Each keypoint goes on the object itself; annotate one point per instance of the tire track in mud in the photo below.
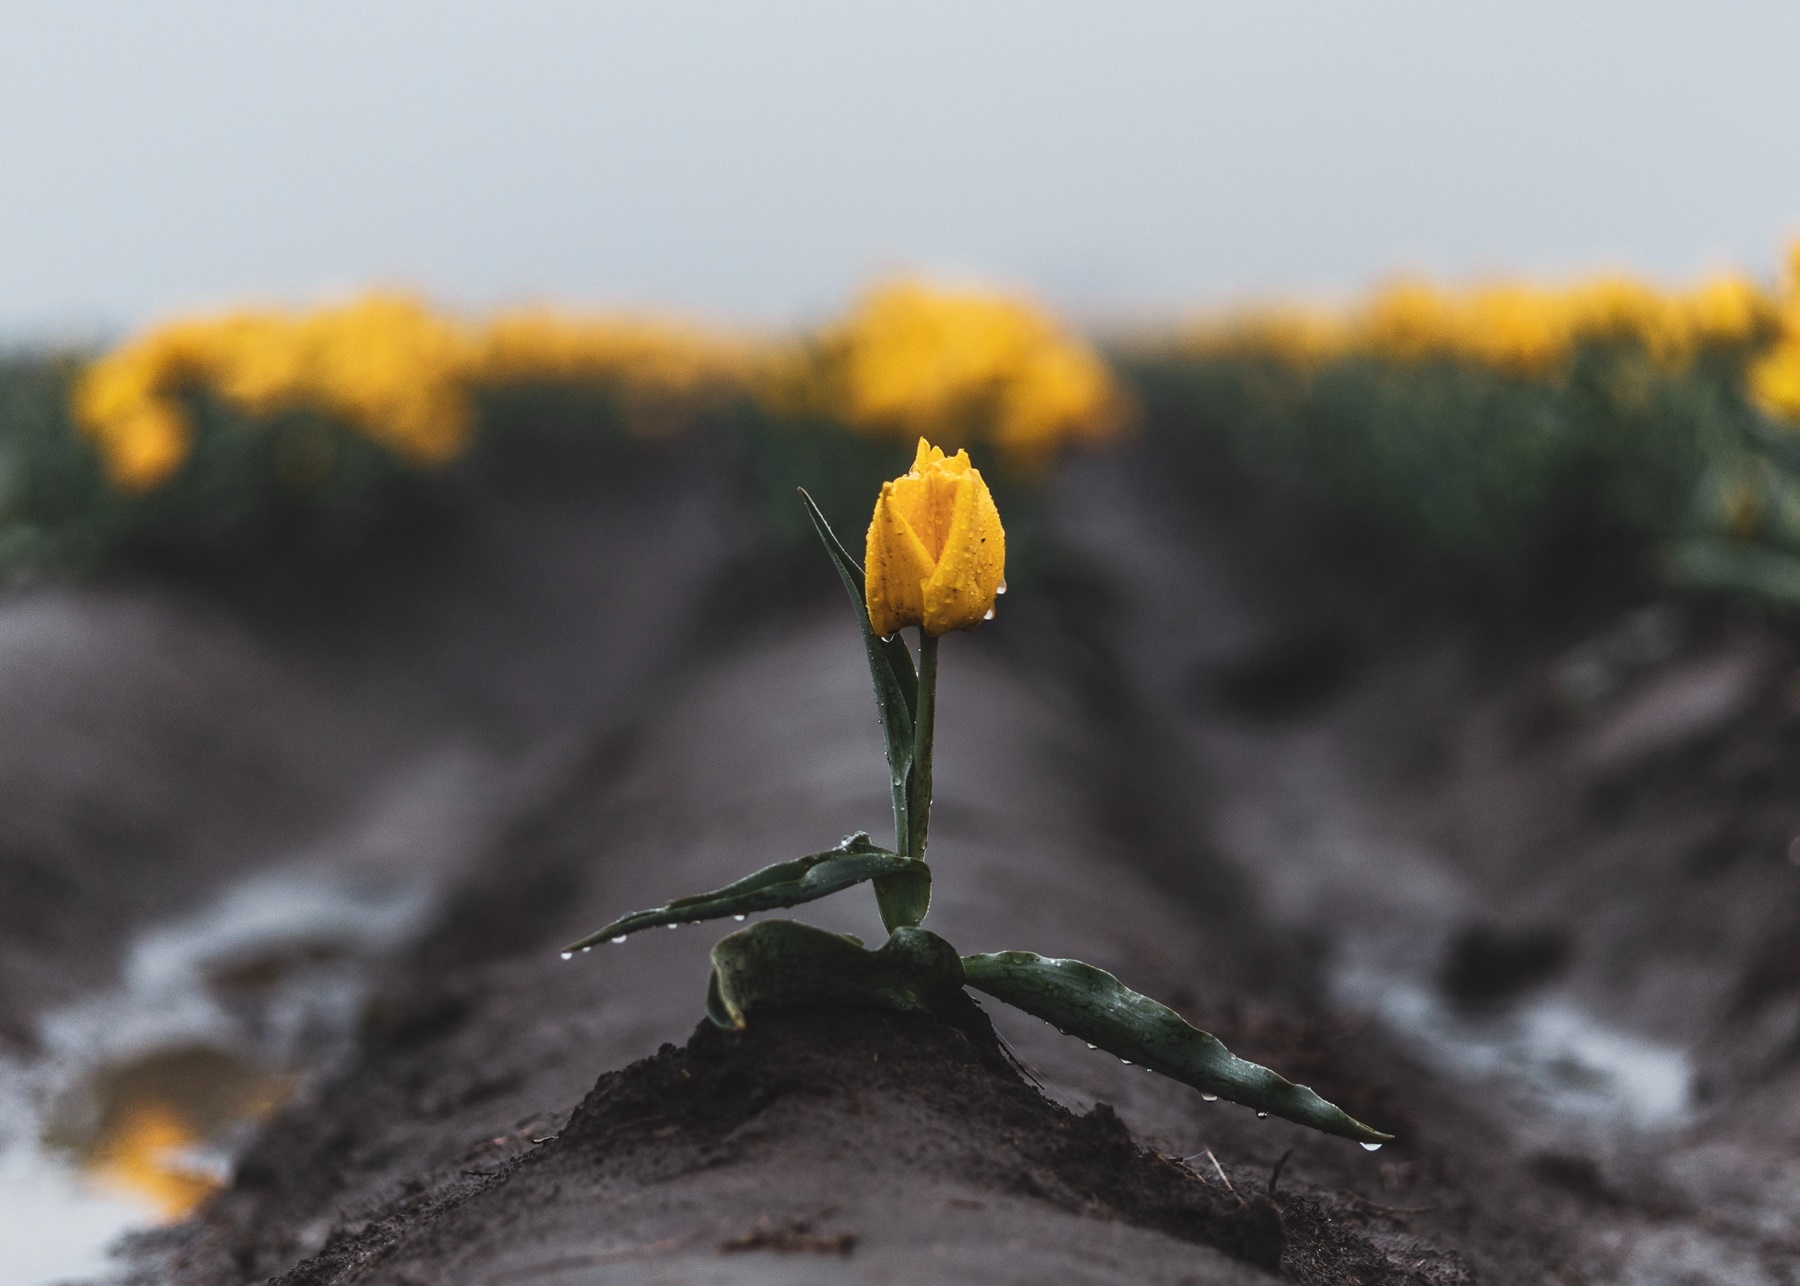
(231, 792)
(1549, 920)
(436, 1158)
(415, 1163)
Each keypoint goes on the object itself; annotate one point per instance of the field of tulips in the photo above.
(1501, 429)
(1490, 429)
(413, 645)
(278, 426)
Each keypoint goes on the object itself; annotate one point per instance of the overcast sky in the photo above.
(760, 160)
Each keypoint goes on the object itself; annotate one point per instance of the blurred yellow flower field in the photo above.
(907, 360)
(387, 365)
(1519, 329)
(956, 367)
(1479, 423)
(1775, 378)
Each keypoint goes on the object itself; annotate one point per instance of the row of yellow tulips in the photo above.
(906, 360)
(1530, 331)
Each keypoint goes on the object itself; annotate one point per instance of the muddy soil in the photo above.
(771, 750)
(1515, 887)
(1546, 844)
(176, 730)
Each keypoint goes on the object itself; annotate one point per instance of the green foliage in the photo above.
(299, 482)
(56, 511)
(296, 479)
(1460, 464)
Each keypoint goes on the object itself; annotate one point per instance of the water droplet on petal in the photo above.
(988, 615)
(1209, 1098)
(738, 918)
(1371, 1147)
(568, 955)
(1000, 588)
(616, 941)
(1262, 1116)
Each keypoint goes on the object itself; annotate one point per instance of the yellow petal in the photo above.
(967, 578)
(895, 568)
(927, 499)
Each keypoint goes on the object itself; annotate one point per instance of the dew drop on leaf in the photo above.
(616, 941)
(738, 918)
(1209, 1098)
(1371, 1147)
(1091, 1045)
(568, 955)
(1262, 1116)
(1126, 1061)
(585, 950)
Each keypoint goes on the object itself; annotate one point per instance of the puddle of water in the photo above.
(159, 1126)
(143, 1094)
(54, 1226)
(1568, 1062)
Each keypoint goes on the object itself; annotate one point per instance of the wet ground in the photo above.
(288, 873)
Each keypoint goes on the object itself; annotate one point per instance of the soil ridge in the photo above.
(912, 1094)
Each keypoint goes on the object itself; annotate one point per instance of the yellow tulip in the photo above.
(936, 553)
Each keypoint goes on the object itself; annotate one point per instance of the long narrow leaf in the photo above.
(1093, 1005)
(900, 661)
(893, 695)
(804, 879)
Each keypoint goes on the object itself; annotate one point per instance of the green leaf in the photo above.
(899, 659)
(784, 884)
(1734, 567)
(893, 652)
(1093, 1005)
(903, 901)
(784, 962)
(1778, 442)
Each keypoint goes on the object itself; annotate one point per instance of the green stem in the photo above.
(923, 721)
(905, 896)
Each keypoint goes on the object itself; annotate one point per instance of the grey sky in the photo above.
(761, 159)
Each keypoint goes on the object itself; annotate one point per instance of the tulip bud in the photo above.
(936, 554)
